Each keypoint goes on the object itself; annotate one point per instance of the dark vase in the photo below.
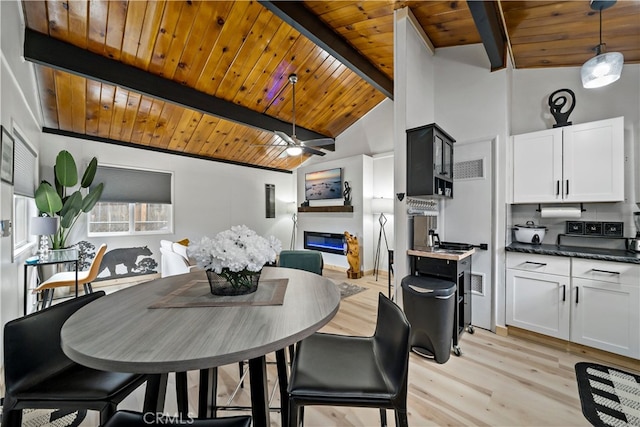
(229, 284)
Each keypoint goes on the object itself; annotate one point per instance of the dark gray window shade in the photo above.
(25, 166)
(133, 185)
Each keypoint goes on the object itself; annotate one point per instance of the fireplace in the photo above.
(332, 243)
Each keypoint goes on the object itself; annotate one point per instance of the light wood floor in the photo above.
(498, 381)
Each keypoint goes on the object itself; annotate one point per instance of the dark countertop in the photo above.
(616, 255)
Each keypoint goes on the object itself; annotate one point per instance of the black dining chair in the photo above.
(38, 375)
(339, 370)
(136, 419)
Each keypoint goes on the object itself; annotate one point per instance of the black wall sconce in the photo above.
(400, 196)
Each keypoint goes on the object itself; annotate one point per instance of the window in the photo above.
(24, 206)
(133, 202)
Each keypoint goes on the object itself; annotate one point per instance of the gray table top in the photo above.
(120, 333)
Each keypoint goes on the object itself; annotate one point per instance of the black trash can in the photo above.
(429, 305)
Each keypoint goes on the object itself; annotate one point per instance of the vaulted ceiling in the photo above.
(209, 79)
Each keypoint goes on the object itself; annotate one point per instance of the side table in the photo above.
(55, 256)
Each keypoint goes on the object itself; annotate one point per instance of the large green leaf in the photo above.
(69, 218)
(89, 173)
(92, 198)
(65, 170)
(47, 199)
(59, 187)
(72, 204)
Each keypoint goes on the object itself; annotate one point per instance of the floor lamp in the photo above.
(294, 218)
(381, 206)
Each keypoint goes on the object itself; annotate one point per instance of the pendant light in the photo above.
(604, 68)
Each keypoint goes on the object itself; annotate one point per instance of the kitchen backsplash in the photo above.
(621, 212)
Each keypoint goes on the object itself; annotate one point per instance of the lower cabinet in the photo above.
(537, 293)
(597, 304)
(605, 306)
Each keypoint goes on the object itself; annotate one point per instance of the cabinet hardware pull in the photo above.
(595, 270)
(567, 193)
(539, 264)
(557, 187)
(564, 293)
(577, 293)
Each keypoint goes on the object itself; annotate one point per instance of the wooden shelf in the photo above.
(325, 208)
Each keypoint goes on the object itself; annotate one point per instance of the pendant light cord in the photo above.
(600, 26)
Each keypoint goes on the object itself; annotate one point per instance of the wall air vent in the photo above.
(470, 169)
(477, 283)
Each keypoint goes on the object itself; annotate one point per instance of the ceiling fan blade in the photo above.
(318, 142)
(310, 150)
(269, 145)
(286, 138)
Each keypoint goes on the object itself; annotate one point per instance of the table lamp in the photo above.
(43, 226)
(381, 206)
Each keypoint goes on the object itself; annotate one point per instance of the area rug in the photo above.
(609, 396)
(51, 418)
(348, 289)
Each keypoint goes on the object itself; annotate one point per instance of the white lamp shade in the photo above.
(381, 205)
(294, 151)
(602, 70)
(43, 225)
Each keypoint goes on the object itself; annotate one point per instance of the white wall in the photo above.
(472, 104)
(15, 111)
(414, 93)
(357, 170)
(383, 186)
(371, 135)
(208, 196)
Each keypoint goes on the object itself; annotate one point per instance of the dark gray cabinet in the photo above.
(429, 162)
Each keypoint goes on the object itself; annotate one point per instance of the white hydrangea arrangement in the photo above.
(235, 254)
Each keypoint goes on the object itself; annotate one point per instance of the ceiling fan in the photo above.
(296, 146)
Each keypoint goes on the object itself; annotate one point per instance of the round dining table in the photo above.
(120, 332)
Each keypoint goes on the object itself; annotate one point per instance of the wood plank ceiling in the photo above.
(241, 53)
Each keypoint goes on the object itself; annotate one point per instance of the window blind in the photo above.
(125, 185)
(25, 167)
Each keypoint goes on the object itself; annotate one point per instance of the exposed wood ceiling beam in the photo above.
(487, 18)
(155, 149)
(48, 51)
(309, 25)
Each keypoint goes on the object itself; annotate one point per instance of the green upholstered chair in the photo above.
(302, 260)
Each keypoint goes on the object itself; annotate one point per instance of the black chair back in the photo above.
(391, 342)
(32, 350)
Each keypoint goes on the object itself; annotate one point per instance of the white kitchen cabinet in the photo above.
(605, 306)
(597, 304)
(578, 163)
(537, 293)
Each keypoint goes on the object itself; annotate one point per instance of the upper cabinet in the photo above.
(579, 163)
(429, 162)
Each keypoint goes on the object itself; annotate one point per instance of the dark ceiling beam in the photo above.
(309, 25)
(489, 24)
(48, 51)
(155, 149)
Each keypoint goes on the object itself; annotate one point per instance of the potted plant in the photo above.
(234, 258)
(65, 202)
